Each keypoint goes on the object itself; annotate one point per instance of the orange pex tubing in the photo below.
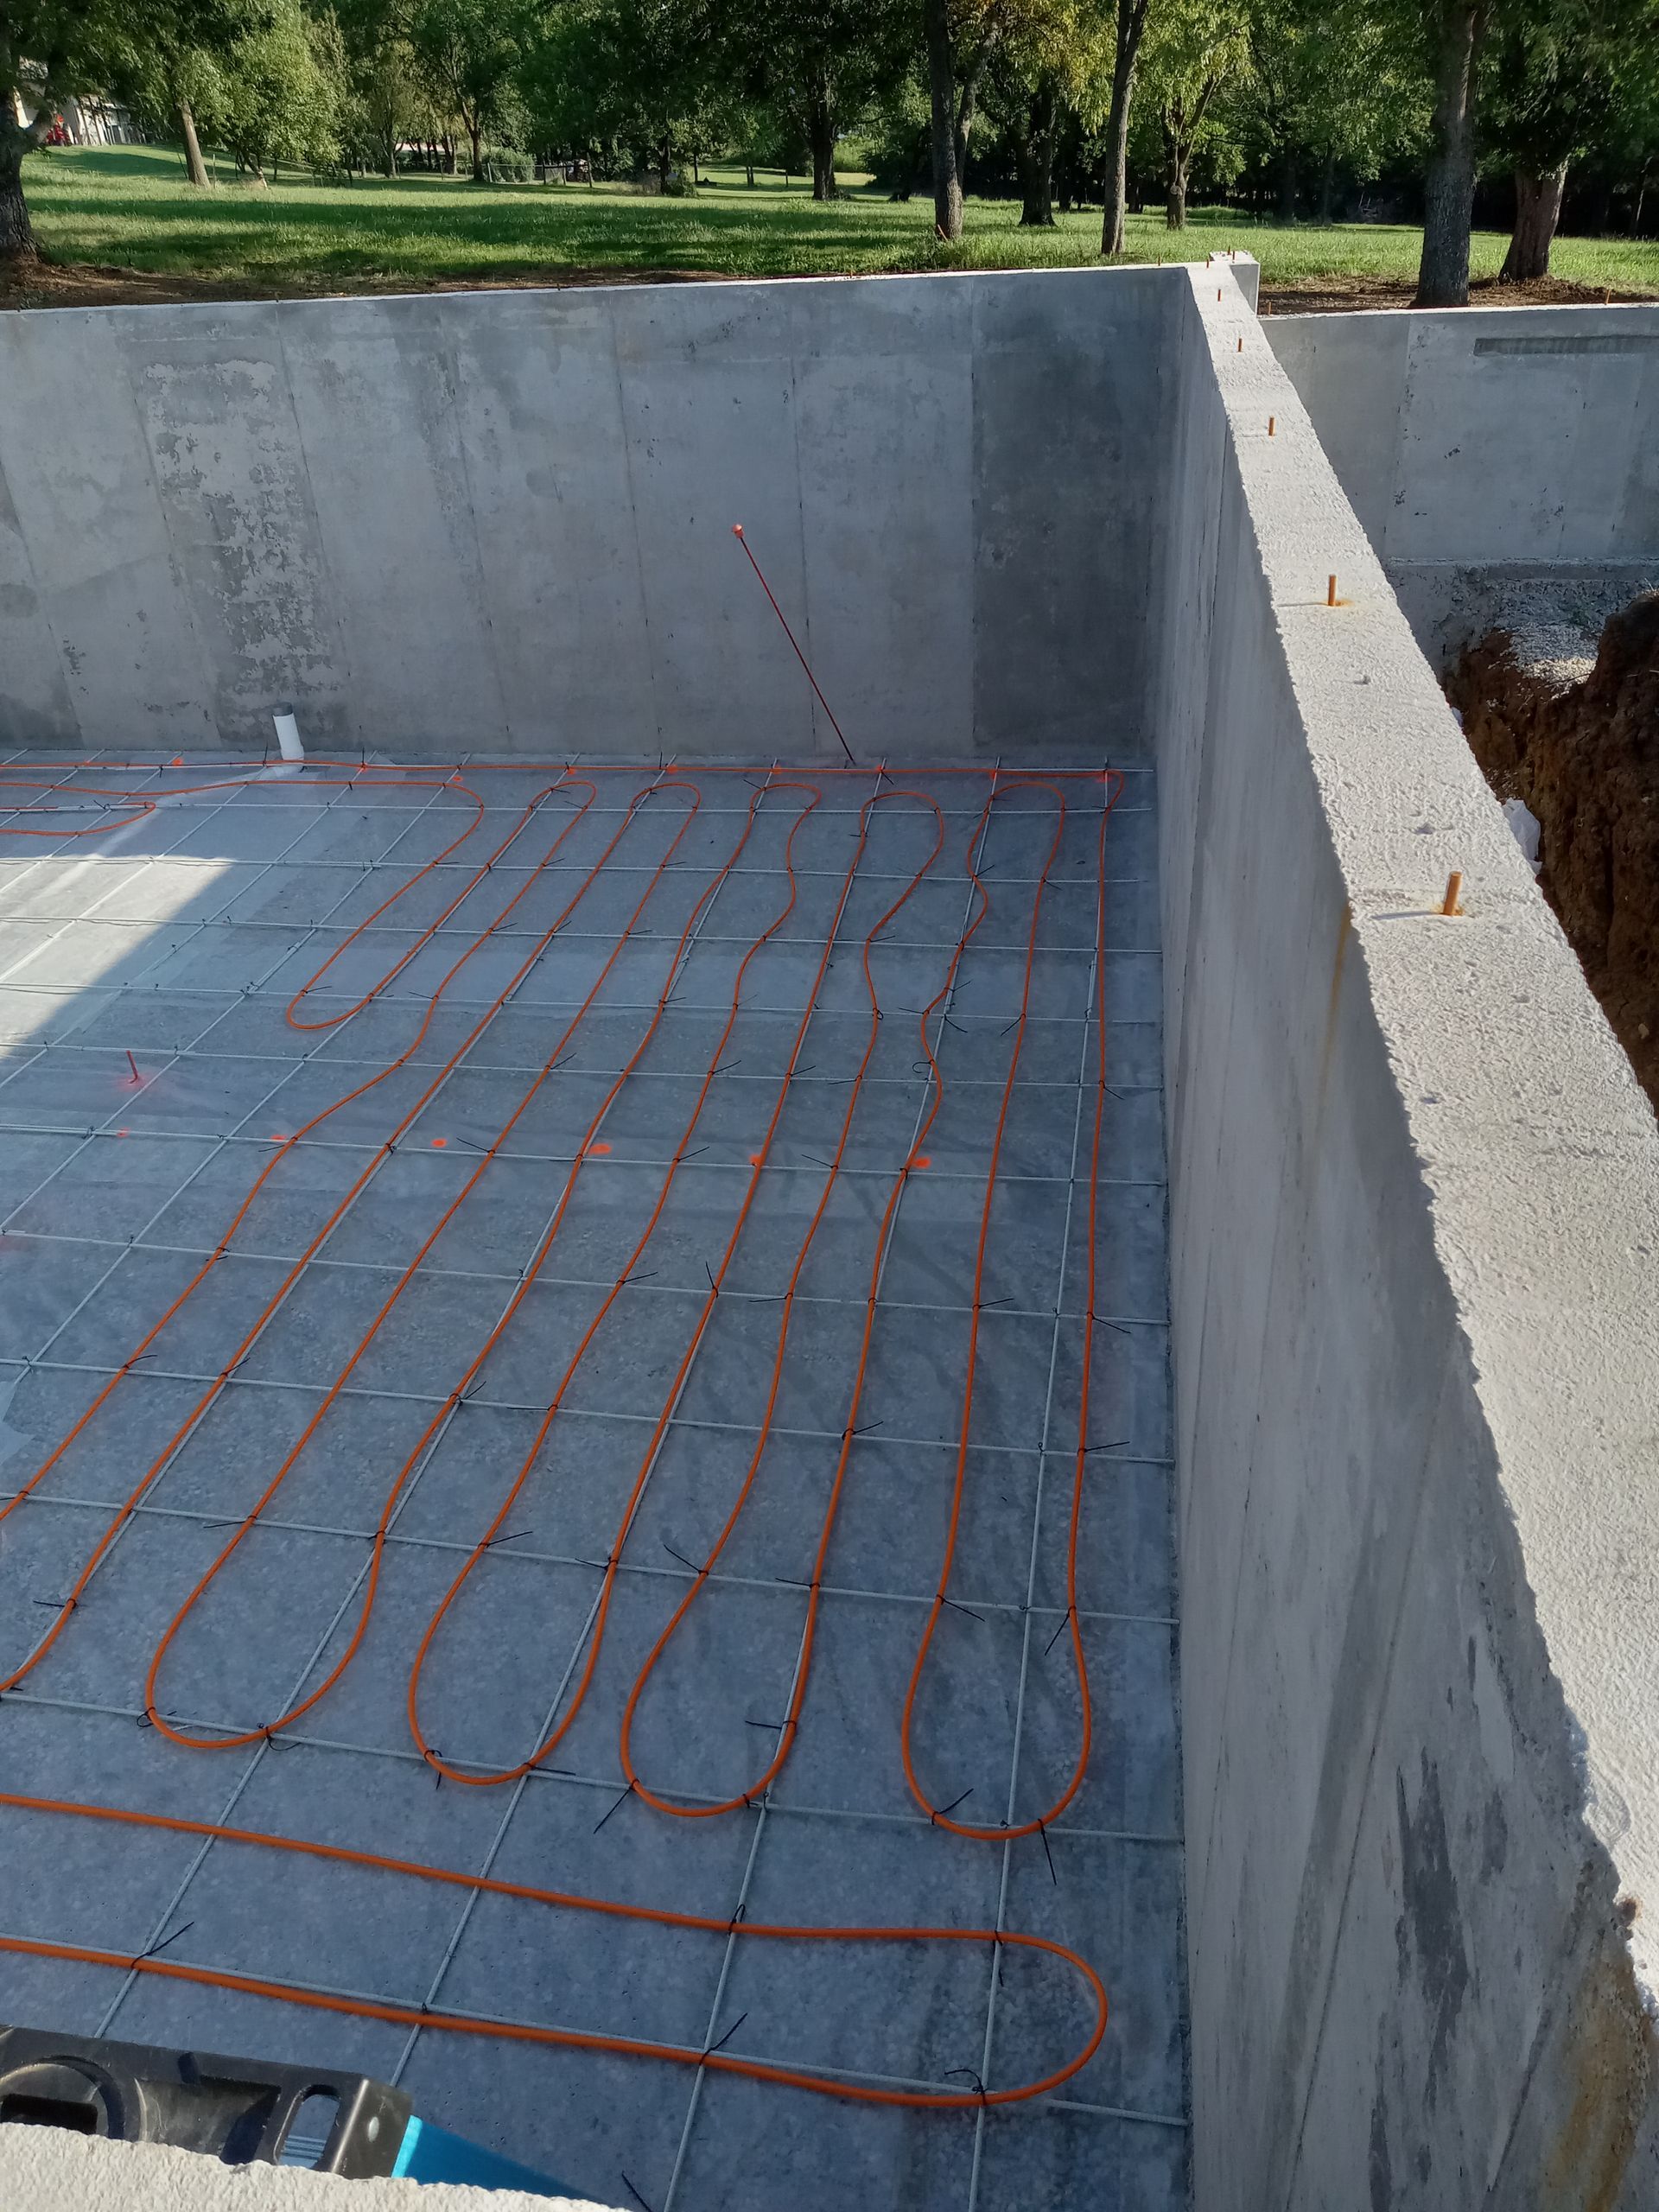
(572, 793)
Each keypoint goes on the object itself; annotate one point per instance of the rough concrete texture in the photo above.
(47, 2170)
(1414, 1268)
(1450, 605)
(183, 936)
(1498, 457)
(500, 523)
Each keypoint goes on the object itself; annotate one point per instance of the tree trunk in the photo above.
(1177, 128)
(942, 76)
(17, 234)
(195, 167)
(967, 102)
(664, 163)
(1449, 181)
(475, 139)
(1117, 162)
(1327, 211)
(1036, 154)
(1537, 211)
(1068, 183)
(448, 145)
(750, 166)
(821, 128)
(1131, 23)
(1285, 194)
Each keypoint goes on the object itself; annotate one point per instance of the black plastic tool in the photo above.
(236, 2109)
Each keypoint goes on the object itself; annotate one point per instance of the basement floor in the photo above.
(376, 1391)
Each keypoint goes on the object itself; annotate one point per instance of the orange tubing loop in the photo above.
(219, 1741)
(718, 1275)
(789, 1729)
(568, 2038)
(377, 1160)
(999, 1833)
(721, 2061)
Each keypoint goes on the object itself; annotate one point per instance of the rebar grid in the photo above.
(237, 1143)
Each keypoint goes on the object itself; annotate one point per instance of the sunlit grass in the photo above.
(130, 207)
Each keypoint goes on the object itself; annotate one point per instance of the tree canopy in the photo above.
(1298, 107)
(53, 50)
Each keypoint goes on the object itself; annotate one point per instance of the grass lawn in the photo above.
(130, 208)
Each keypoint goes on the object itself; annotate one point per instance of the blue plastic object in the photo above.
(428, 2153)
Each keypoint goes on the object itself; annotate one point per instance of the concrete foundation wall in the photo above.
(500, 523)
(1415, 1262)
(1498, 458)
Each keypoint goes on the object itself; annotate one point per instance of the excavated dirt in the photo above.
(1584, 755)
(89, 284)
(1342, 294)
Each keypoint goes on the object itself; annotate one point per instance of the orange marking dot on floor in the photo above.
(754, 1159)
(440, 1142)
(598, 1148)
(922, 1159)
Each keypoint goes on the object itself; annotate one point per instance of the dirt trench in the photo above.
(1584, 756)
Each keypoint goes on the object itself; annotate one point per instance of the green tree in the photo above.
(385, 101)
(1367, 103)
(661, 78)
(1328, 87)
(51, 50)
(273, 95)
(1627, 158)
(1565, 75)
(470, 52)
(1193, 49)
(900, 134)
(390, 103)
(1050, 69)
(822, 64)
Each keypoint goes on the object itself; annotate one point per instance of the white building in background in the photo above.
(92, 120)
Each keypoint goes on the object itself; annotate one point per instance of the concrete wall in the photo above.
(48, 2170)
(500, 523)
(1415, 1271)
(1497, 457)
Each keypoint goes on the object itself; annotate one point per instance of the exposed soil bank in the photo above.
(90, 284)
(1350, 295)
(1584, 755)
(86, 284)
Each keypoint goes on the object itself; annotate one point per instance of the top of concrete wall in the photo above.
(1488, 433)
(1536, 1142)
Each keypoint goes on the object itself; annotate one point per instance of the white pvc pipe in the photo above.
(288, 738)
